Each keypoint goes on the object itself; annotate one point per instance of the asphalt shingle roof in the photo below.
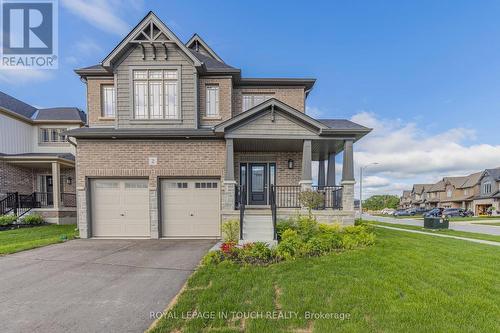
(23, 109)
(341, 124)
(211, 63)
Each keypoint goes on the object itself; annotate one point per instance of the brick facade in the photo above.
(225, 99)
(15, 179)
(295, 97)
(94, 102)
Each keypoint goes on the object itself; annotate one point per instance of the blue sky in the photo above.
(428, 68)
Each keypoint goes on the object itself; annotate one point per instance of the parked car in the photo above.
(387, 211)
(435, 212)
(457, 212)
(404, 212)
(421, 210)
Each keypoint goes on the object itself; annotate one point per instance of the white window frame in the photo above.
(104, 102)
(487, 187)
(212, 102)
(167, 109)
(248, 101)
(449, 193)
(49, 135)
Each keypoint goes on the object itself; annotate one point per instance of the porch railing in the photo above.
(241, 199)
(332, 196)
(19, 204)
(288, 196)
(273, 210)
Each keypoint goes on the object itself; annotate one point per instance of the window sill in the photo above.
(212, 118)
(106, 118)
(155, 121)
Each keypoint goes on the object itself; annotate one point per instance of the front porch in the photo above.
(270, 150)
(39, 183)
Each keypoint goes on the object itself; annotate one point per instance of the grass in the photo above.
(404, 283)
(450, 232)
(472, 218)
(16, 240)
(400, 217)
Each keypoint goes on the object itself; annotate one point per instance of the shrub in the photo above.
(317, 246)
(231, 231)
(282, 225)
(307, 227)
(256, 253)
(311, 200)
(33, 219)
(7, 219)
(212, 258)
(291, 245)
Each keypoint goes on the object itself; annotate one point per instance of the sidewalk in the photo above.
(440, 235)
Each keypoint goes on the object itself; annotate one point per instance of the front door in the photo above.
(258, 184)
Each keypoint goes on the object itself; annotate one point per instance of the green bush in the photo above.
(311, 200)
(300, 237)
(33, 219)
(231, 231)
(285, 224)
(7, 219)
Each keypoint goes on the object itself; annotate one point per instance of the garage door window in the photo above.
(205, 185)
(179, 185)
(131, 185)
(106, 184)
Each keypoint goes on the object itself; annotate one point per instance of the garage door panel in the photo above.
(120, 208)
(190, 208)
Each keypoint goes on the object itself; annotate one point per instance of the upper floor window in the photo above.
(487, 187)
(108, 101)
(448, 193)
(212, 101)
(466, 192)
(52, 135)
(155, 94)
(249, 101)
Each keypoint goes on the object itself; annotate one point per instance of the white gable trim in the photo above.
(151, 17)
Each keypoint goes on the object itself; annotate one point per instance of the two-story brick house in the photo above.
(178, 141)
(37, 164)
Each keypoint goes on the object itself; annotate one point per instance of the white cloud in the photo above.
(104, 14)
(87, 47)
(314, 112)
(22, 76)
(407, 154)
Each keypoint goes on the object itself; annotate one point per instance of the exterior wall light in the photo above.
(69, 180)
(290, 164)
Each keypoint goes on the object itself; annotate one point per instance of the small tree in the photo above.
(231, 231)
(311, 200)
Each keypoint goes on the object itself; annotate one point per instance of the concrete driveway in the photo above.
(94, 285)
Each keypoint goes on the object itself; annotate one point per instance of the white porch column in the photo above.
(321, 173)
(229, 194)
(306, 181)
(330, 174)
(348, 178)
(56, 184)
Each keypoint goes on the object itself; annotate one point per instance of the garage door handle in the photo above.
(122, 214)
(191, 214)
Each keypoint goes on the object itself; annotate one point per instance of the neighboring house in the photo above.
(179, 141)
(489, 193)
(460, 191)
(435, 194)
(405, 200)
(419, 195)
(36, 161)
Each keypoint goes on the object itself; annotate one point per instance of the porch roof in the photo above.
(285, 122)
(39, 159)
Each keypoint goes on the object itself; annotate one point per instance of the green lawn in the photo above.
(404, 283)
(16, 240)
(441, 231)
(471, 218)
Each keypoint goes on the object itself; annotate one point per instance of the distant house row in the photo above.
(476, 192)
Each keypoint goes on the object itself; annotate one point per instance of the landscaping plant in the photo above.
(231, 231)
(33, 219)
(7, 219)
(299, 237)
(311, 200)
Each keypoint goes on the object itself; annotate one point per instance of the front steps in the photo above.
(258, 226)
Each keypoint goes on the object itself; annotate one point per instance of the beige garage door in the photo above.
(190, 208)
(120, 208)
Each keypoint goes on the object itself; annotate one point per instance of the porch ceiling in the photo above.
(320, 148)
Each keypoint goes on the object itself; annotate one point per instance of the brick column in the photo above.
(56, 184)
(229, 184)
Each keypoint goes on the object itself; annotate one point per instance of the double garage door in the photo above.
(189, 208)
